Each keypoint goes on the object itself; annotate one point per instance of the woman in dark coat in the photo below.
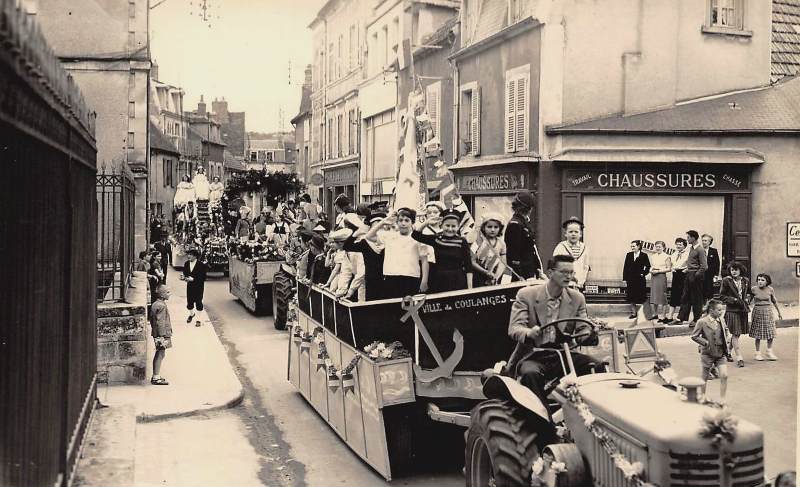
(735, 292)
(637, 266)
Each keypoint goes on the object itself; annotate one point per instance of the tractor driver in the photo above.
(537, 358)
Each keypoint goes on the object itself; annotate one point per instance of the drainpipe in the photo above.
(632, 57)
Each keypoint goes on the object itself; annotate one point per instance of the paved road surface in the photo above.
(275, 438)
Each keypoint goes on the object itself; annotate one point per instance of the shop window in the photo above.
(269, 157)
(517, 110)
(433, 102)
(470, 120)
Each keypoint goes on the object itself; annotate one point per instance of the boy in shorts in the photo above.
(162, 333)
(712, 334)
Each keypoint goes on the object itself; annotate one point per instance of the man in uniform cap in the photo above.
(521, 251)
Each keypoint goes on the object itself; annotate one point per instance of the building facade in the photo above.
(112, 68)
(399, 61)
(270, 153)
(338, 39)
(302, 130)
(163, 177)
(621, 132)
(206, 147)
(232, 126)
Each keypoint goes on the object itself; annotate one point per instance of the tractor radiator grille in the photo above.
(707, 470)
(604, 472)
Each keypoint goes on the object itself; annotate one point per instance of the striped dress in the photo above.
(763, 324)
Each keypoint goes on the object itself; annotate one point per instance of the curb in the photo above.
(154, 418)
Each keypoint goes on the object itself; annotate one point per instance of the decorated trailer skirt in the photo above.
(251, 282)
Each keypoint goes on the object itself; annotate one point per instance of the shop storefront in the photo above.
(491, 188)
(655, 202)
(339, 180)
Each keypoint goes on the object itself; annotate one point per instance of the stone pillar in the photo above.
(122, 336)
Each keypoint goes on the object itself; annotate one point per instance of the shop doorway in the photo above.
(612, 221)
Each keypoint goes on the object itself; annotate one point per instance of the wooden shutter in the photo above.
(475, 122)
(521, 115)
(510, 115)
(740, 222)
(433, 99)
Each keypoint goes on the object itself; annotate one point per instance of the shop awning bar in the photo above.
(659, 155)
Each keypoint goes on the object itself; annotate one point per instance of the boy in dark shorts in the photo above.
(712, 334)
(162, 333)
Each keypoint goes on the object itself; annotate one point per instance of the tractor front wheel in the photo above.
(501, 445)
(282, 292)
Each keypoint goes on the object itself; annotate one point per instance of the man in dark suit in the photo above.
(712, 258)
(696, 266)
(521, 251)
(165, 249)
(194, 273)
(536, 358)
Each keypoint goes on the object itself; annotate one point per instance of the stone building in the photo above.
(112, 67)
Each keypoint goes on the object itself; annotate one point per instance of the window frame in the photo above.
(512, 78)
(469, 120)
(434, 108)
(740, 12)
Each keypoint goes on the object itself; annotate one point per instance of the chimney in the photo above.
(220, 109)
(201, 107)
(307, 82)
(154, 71)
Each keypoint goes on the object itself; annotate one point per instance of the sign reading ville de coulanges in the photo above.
(655, 180)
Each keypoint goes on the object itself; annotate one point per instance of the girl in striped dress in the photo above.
(763, 324)
(574, 246)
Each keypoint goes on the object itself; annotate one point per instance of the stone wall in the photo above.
(122, 336)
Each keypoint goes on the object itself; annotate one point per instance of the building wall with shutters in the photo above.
(488, 68)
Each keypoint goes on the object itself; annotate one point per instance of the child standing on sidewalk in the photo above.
(713, 336)
(763, 325)
(194, 273)
(162, 333)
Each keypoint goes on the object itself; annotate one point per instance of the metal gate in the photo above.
(48, 213)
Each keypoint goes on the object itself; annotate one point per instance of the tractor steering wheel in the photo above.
(573, 339)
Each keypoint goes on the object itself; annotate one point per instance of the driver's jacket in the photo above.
(529, 310)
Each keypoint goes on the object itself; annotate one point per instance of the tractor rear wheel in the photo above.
(282, 292)
(502, 443)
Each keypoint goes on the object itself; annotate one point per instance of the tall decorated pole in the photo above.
(411, 189)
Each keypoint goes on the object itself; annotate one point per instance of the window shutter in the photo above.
(433, 99)
(510, 115)
(475, 122)
(521, 123)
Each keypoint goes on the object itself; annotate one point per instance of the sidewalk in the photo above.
(200, 376)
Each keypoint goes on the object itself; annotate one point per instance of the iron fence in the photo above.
(115, 231)
(48, 338)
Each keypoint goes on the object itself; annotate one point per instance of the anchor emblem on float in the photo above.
(445, 368)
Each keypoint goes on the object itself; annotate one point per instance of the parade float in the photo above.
(199, 223)
(254, 263)
(379, 372)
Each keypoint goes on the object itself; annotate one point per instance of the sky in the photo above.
(242, 52)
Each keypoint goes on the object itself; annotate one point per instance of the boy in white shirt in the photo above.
(405, 264)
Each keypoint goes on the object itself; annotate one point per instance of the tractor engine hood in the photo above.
(654, 415)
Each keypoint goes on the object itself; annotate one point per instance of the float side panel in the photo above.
(318, 389)
(354, 422)
(265, 272)
(374, 433)
(335, 396)
(240, 277)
